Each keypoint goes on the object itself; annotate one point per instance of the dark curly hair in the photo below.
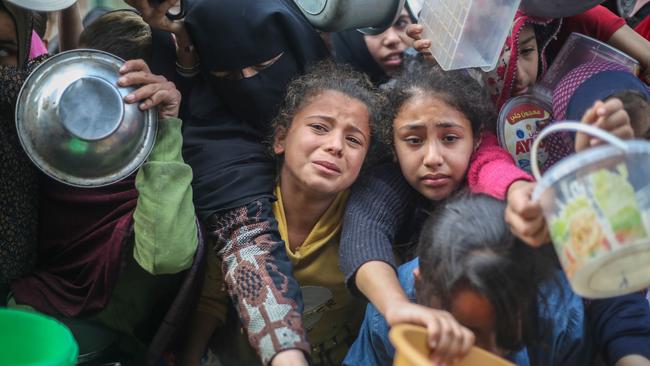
(322, 76)
(466, 244)
(455, 88)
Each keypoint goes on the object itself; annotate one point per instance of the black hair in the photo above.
(322, 76)
(455, 88)
(466, 244)
(40, 23)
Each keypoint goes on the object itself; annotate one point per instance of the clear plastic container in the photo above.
(597, 208)
(467, 33)
(577, 50)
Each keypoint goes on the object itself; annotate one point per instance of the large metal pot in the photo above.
(557, 8)
(43, 5)
(74, 125)
(372, 16)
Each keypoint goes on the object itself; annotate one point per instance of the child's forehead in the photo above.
(526, 34)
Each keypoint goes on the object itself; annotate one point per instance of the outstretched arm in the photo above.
(164, 220)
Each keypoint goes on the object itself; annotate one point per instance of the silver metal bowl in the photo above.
(44, 5)
(74, 125)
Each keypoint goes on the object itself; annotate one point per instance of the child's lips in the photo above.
(436, 180)
(328, 167)
(393, 59)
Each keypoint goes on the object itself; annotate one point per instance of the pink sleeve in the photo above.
(37, 47)
(492, 170)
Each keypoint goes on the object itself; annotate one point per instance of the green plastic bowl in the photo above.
(31, 339)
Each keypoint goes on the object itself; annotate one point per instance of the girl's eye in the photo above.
(355, 141)
(4, 52)
(450, 138)
(401, 24)
(318, 128)
(527, 51)
(413, 140)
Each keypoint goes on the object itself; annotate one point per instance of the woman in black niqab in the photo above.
(18, 176)
(233, 35)
(249, 51)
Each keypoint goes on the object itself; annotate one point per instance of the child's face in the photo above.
(326, 143)
(387, 48)
(527, 61)
(475, 312)
(8, 40)
(433, 143)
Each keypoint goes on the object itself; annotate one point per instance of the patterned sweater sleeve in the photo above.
(492, 170)
(378, 206)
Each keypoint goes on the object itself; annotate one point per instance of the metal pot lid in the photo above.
(396, 10)
(43, 5)
(556, 8)
(74, 125)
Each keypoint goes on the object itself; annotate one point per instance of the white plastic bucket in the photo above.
(597, 207)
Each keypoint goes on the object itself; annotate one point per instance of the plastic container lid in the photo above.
(467, 33)
(519, 122)
(32, 339)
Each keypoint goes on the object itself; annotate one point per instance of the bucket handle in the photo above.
(571, 126)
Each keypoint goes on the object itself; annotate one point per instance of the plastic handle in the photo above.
(571, 126)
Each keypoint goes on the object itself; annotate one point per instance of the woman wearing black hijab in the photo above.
(18, 178)
(380, 56)
(249, 51)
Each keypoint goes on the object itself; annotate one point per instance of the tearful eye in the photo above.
(318, 128)
(354, 141)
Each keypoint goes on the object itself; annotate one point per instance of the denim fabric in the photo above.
(562, 320)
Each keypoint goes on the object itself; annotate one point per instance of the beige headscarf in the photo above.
(24, 23)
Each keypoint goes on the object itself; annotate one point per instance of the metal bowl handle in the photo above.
(571, 126)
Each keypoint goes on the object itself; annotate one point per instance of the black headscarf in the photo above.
(18, 176)
(235, 34)
(350, 48)
(24, 20)
(229, 160)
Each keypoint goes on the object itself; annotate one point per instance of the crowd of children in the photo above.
(301, 179)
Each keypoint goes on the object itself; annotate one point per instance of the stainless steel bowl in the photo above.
(74, 125)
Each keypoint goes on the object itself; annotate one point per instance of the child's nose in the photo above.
(433, 157)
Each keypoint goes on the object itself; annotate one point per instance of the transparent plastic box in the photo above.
(467, 33)
(577, 50)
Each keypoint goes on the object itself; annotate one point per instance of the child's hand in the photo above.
(290, 357)
(449, 340)
(156, 15)
(153, 90)
(524, 216)
(609, 116)
(421, 45)
(633, 360)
